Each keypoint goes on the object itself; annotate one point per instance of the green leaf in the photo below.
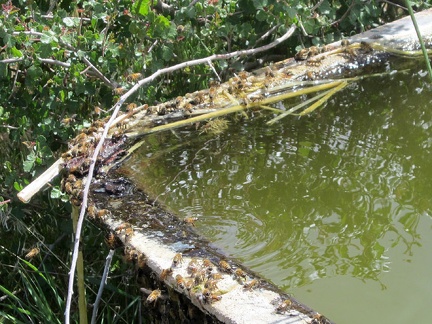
(167, 53)
(141, 7)
(69, 22)
(16, 52)
(56, 193)
(17, 186)
(261, 15)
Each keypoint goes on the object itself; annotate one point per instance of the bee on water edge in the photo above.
(180, 281)
(177, 260)
(190, 220)
(165, 273)
(284, 306)
(225, 267)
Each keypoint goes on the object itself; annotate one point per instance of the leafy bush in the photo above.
(65, 63)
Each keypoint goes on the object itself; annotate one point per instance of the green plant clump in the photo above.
(65, 63)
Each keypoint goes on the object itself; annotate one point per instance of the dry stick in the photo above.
(116, 109)
(324, 99)
(102, 285)
(297, 107)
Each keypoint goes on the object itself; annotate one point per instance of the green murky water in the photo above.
(335, 207)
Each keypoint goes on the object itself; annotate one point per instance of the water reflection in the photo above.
(330, 195)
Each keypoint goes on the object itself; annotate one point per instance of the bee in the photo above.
(193, 266)
(153, 297)
(206, 293)
(199, 98)
(179, 100)
(200, 276)
(165, 273)
(77, 193)
(74, 151)
(212, 93)
(257, 97)
(188, 107)
(189, 284)
(225, 267)
(67, 121)
(310, 75)
(128, 231)
(208, 265)
(76, 202)
(211, 284)
(130, 254)
(269, 73)
(313, 50)
(180, 281)
(366, 47)
(102, 212)
(68, 188)
(66, 155)
(215, 276)
(131, 107)
(345, 42)
(324, 49)
(283, 306)
(110, 240)
(32, 253)
(316, 61)
(319, 319)
(82, 137)
(98, 110)
(214, 83)
(142, 260)
(119, 91)
(209, 297)
(134, 76)
(243, 75)
(251, 284)
(91, 210)
(240, 273)
(302, 55)
(78, 184)
(352, 52)
(178, 259)
(122, 227)
(190, 220)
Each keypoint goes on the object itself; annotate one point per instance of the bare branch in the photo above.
(11, 60)
(55, 62)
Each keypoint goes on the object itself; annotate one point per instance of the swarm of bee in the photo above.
(77, 160)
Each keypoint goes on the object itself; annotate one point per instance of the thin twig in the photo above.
(55, 62)
(116, 109)
(12, 60)
(102, 285)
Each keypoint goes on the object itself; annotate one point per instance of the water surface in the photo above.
(333, 207)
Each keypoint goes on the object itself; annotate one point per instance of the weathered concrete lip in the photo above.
(400, 34)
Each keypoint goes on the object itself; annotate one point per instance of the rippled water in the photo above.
(335, 207)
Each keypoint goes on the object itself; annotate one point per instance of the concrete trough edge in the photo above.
(237, 305)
